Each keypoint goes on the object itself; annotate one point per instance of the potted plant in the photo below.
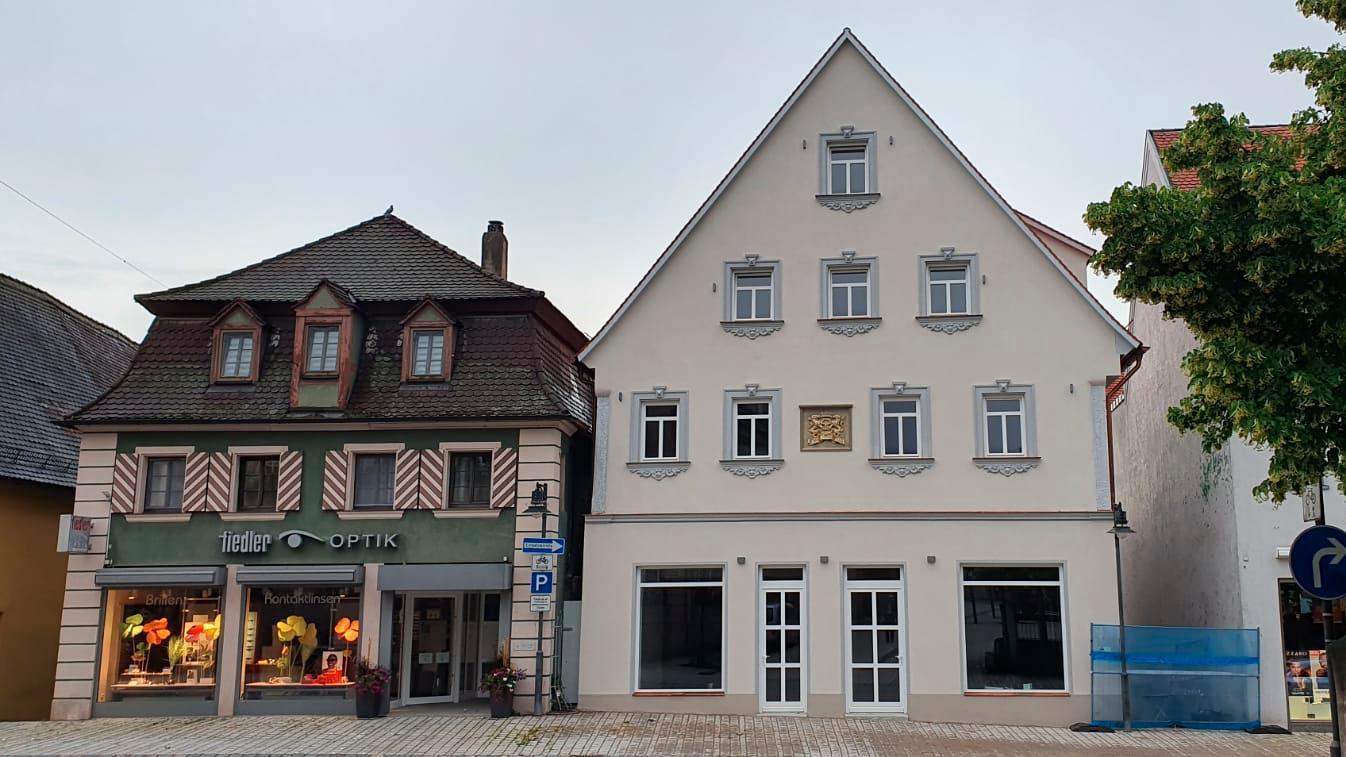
(372, 683)
(500, 681)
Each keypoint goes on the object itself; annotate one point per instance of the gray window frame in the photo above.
(754, 265)
(850, 137)
(244, 366)
(950, 259)
(921, 394)
(848, 261)
(1006, 464)
(309, 352)
(432, 334)
(752, 467)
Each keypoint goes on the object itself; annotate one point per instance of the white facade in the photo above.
(1206, 553)
(809, 514)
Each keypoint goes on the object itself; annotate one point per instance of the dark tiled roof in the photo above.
(1187, 178)
(382, 259)
(53, 360)
(505, 367)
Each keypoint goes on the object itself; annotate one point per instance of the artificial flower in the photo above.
(347, 629)
(132, 626)
(291, 628)
(156, 631)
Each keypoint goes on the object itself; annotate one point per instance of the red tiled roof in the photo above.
(1187, 178)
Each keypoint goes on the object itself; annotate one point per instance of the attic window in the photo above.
(236, 355)
(847, 173)
(427, 344)
(236, 345)
(427, 353)
(323, 347)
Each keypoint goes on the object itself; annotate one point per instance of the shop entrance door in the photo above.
(875, 640)
(431, 638)
(781, 604)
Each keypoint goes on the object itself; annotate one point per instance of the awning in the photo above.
(440, 577)
(306, 575)
(168, 575)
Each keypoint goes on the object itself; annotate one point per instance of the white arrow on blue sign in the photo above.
(1316, 562)
(542, 582)
(536, 546)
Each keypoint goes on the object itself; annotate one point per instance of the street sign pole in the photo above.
(1328, 632)
(537, 663)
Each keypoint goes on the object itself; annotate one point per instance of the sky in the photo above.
(195, 138)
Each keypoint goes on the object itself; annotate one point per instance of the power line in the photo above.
(71, 226)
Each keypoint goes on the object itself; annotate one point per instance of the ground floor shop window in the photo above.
(300, 641)
(681, 629)
(160, 642)
(1305, 648)
(1012, 628)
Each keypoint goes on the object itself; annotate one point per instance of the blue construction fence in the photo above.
(1189, 677)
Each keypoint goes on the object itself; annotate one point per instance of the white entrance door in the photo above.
(780, 678)
(875, 640)
(432, 630)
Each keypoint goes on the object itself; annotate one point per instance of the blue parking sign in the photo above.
(542, 582)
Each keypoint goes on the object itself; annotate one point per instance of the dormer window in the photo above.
(324, 344)
(427, 344)
(236, 345)
(236, 362)
(427, 349)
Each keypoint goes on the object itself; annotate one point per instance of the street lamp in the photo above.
(537, 505)
(1121, 529)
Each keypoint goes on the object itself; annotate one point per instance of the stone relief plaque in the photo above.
(824, 428)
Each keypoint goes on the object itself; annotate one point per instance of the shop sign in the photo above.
(74, 534)
(251, 542)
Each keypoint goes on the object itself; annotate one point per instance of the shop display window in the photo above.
(300, 641)
(160, 642)
(1305, 651)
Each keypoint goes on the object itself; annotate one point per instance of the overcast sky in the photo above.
(193, 139)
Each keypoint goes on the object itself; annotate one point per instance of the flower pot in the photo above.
(502, 704)
(371, 705)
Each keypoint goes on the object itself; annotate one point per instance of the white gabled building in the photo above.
(851, 449)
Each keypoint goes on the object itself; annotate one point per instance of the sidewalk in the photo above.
(592, 733)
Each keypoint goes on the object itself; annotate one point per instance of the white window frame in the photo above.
(731, 289)
(904, 631)
(900, 391)
(1003, 390)
(724, 622)
(847, 138)
(800, 585)
(331, 349)
(657, 468)
(752, 467)
(946, 260)
(1060, 583)
(754, 419)
(242, 367)
(660, 422)
(848, 262)
(1001, 418)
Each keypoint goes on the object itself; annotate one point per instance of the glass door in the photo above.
(875, 639)
(432, 627)
(781, 606)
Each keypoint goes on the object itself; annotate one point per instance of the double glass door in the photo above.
(875, 639)
(431, 647)
(781, 676)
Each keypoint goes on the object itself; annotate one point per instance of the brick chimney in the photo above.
(495, 249)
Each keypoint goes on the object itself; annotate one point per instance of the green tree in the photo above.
(1254, 261)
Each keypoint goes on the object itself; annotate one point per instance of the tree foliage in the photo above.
(1254, 261)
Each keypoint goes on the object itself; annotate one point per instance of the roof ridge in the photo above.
(90, 320)
(466, 259)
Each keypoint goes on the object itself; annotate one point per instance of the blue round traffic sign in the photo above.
(1318, 562)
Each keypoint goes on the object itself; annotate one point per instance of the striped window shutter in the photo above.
(407, 480)
(195, 482)
(289, 480)
(218, 488)
(504, 477)
(432, 479)
(124, 476)
(335, 465)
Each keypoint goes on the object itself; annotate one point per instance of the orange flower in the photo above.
(156, 631)
(347, 629)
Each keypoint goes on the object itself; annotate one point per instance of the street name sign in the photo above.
(533, 545)
(1318, 562)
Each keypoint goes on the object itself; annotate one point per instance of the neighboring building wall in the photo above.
(32, 575)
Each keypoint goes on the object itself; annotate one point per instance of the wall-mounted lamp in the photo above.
(742, 560)
(930, 559)
(822, 559)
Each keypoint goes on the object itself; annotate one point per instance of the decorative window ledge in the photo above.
(158, 517)
(848, 203)
(901, 466)
(948, 324)
(751, 329)
(659, 469)
(370, 514)
(752, 468)
(251, 517)
(1006, 466)
(849, 326)
(482, 513)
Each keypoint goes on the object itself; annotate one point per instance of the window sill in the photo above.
(370, 514)
(1007, 465)
(849, 326)
(948, 324)
(467, 512)
(847, 203)
(658, 469)
(719, 693)
(901, 466)
(238, 517)
(751, 329)
(753, 468)
(1016, 693)
(158, 517)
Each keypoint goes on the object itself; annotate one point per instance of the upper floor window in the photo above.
(849, 290)
(1005, 421)
(659, 430)
(901, 421)
(323, 349)
(373, 486)
(257, 484)
(236, 354)
(163, 484)
(752, 295)
(950, 290)
(427, 347)
(470, 479)
(847, 168)
(658, 433)
(752, 428)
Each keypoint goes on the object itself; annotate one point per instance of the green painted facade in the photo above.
(421, 537)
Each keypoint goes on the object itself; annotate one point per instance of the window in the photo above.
(163, 484)
(752, 428)
(846, 168)
(374, 481)
(236, 355)
(1005, 421)
(148, 627)
(850, 292)
(427, 353)
(1012, 629)
(950, 293)
(301, 641)
(752, 295)
(948, 290)
(680, 629)
(470, 479)
(257, 478)
(901, 420)
(659, 431)
(323, 348)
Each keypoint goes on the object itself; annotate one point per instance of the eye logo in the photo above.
(295, 539)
